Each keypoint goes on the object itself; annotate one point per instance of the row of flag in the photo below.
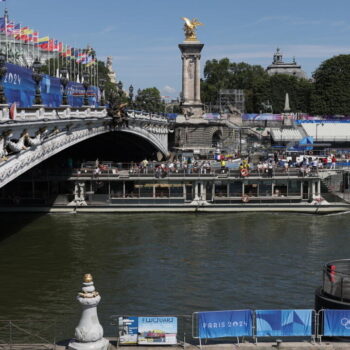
(28, 35)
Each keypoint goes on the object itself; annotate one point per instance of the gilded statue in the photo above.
(190, 28)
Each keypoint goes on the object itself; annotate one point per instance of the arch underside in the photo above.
(23, 161)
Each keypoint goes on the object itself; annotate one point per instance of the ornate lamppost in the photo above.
(37, 77)
(64, 83)
(86, 85)
(3, 71)
(120, 88)
(131, 94)
(102, 82)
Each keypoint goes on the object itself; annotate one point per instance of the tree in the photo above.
(258, 86)
(149, 100)
(331, 94)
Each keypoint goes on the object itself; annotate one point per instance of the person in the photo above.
(223, 165)
(145, 166)
(334, 160)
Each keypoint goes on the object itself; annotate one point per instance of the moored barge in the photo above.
(114, 189)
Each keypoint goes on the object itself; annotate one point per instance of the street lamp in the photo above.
(86, 85)
(37, 77)
(3, 71)
(102, 83)
(120, 88)
(131, 93)
(64, 83)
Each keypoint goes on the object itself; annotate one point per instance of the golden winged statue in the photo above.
(190, 28)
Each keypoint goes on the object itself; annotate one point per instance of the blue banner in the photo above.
(219, 324)
(283, 323)
(20, 87)
(336, 323)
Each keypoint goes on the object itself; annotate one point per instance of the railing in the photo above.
(16, 333)
(336, 279)
(46, 114)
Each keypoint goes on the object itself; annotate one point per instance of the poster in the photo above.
(128, 330)
(157, 330)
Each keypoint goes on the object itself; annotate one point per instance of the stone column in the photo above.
(191, 99)
(89, 332)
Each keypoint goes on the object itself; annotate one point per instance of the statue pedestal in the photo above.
(89, 332)
(192, 106)
(102, 344)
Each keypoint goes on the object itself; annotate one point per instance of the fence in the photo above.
(253, 324)
(15, 333)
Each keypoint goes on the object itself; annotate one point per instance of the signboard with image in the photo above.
(157, 330)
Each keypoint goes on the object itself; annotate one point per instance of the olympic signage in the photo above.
(336, 323)
(220, 324)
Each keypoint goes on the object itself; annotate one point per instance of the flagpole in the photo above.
(7, 51)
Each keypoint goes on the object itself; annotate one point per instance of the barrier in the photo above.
(285, 323)
(336, 323)
(232, 324)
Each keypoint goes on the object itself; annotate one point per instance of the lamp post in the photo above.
(37, 77)
(86, 85)
(120, 88)
(64, 83)
(131, 94)
(3, 71)
(102, 83)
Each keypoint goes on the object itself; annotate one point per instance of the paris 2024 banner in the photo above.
(20, 89)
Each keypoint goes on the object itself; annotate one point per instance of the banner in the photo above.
(128, 329)
(264, 116)
(20, 87)
(336, 323)
(219, 324)
(283, 323)
(157, 330)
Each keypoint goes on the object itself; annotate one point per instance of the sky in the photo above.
(142, 36)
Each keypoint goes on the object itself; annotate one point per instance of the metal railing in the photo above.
(17, 333)
(336, 279)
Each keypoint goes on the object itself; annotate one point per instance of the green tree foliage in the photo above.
(149, 100)
(331, 93)
(258, 86)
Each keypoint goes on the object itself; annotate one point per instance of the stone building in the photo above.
(280, 67)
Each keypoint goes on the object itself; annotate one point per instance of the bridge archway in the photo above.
(117, 146)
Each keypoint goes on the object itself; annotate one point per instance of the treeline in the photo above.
(327, 93)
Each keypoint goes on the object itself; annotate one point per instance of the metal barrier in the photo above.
(15, 333)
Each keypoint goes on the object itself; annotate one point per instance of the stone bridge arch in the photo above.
(33, 143)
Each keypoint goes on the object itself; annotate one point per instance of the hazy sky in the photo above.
(143, 35)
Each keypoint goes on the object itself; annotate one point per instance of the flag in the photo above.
(35, 37)
(2, 23)
(13, 111)
(16, 30)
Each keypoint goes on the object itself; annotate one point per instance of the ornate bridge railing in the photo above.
(35, 134)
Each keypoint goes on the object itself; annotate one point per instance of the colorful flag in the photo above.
(16, 30)
(2, 23)
(13, 111)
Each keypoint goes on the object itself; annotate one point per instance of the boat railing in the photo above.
(336, 279)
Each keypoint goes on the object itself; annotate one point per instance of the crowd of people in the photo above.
(305, 164)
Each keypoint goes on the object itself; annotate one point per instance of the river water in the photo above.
(165, 264)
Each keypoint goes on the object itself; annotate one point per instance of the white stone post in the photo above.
(89, 332)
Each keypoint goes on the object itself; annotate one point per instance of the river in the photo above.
(164, 264)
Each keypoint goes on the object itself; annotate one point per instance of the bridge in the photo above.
(38, 133)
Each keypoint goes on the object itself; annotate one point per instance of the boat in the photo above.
(112, 188)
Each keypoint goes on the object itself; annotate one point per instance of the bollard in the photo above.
(89, 332)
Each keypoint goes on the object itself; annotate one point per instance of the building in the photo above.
(280, 67)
